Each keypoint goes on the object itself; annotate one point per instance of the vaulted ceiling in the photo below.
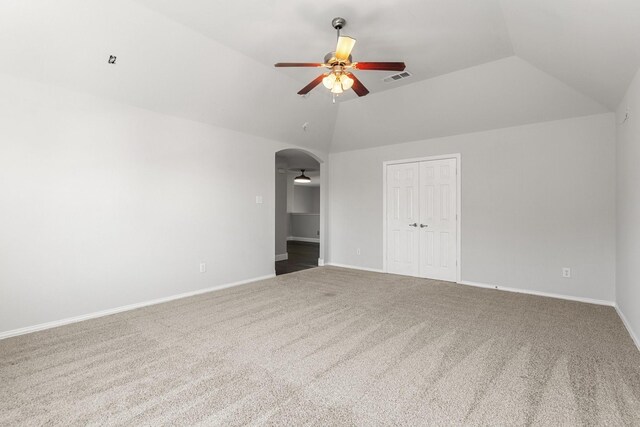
(475, 64)
(432, 37)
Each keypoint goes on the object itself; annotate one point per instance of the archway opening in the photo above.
(297, 211)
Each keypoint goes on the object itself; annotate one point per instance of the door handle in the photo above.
(423, 225)
(415, 224)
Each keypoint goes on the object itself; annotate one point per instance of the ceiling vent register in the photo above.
(398, 76)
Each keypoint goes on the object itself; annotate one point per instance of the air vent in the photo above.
(399, 76)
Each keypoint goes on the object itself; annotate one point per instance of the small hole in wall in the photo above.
(112, 59)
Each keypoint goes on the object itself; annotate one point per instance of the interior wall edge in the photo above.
(627, 208)
(453, 136)
(634, 336)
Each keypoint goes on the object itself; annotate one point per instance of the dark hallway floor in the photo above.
(302, 255)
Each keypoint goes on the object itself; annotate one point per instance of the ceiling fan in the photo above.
(339, 63)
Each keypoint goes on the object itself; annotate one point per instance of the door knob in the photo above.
(415, 224)
(423, 225)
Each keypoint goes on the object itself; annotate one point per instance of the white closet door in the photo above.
(403, 219)
(438, 219)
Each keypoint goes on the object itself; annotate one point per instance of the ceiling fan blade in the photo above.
(379, 66)
(358, 87)
(344, 47)
(315, 82)
(299, 64)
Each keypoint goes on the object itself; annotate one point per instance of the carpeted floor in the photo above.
(330, 346)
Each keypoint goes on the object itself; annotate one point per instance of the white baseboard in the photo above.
(303, 239)
(500, 288)
(320, 262)
(62, 322)
(282, 257)
(627, 325)
(540, 294)
(353, 267)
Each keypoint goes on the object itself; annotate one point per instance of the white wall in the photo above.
(304, 220)
(535, 198)
(315, 199)
(306, 199)
(304, 226)
(290, 192)
(282, 217)
(628, 208)
(104, 205)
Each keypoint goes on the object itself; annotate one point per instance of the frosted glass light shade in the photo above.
(329, 81)
(346, 81)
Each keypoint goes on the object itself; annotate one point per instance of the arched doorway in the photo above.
(297, 211)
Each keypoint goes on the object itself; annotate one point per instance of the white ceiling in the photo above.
(212, 61)
(162, 66)
(592, 45)
(296, 159)
(499, 94)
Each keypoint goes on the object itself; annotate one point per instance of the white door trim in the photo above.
(458, 202)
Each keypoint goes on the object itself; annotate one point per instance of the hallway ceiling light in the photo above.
(302, 178)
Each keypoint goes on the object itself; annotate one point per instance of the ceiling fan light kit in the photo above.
(339, 63)
(338, 82)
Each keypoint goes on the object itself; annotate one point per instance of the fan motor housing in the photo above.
(330, 58)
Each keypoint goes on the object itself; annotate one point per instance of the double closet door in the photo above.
(422, 219)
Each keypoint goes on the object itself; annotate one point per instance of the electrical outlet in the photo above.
(203, 267)
(358, 251)
(566, 272)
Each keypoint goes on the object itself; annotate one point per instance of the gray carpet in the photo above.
(330, 346)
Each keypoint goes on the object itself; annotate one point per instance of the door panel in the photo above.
(438, 219)
(402, 210)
